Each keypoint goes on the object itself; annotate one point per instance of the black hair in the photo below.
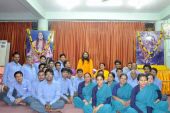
(15, 53)
(49, 70)
(70, 71)
(103, 64)
(154, 69)
(57, 63)
(147, 65)
(119, 69)
(83, 59)
(40, 72)
(113, 74)
(51, 61)
(62, 54)
(65, 62)
(41, 65)
(18, 72)
(100, 75)
(87, 73)
(79, 70)
(100, 71)
(42, 56)
(141, 75)
(123, 74)
(117, 61)
(64, 70)
(151, 75)
(129, 62)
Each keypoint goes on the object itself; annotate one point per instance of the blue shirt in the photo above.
(49, 93)
(114, 71)
(23, 90)
(158, 82)
(126, 70)
(34, 91)
(67, 88)
(57, 74)
(129, 73)
(29, 72)
(76, 83)
(62, 65)
(132, 82)
(36, 65)
(10, 69)
(116, 77)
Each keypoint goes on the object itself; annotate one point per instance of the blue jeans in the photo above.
(39, 107)
(2, 95)
(27, 100)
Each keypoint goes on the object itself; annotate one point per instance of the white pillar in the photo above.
(42, 24)
(158, 25)
(166, 43)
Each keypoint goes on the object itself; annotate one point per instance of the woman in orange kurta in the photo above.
(85, 63)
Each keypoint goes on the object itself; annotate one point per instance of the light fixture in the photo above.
(104, 3)
(68, 4)
(139, 3)
(149, 38)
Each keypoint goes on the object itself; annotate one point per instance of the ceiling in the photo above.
(154, 6)
(84, 9)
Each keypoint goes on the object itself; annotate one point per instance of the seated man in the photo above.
(22, 89)
(67, 91)
(128, 68)
(35, 84)
(77, 80)
(132, 78)
(57, 71)
(10, 69)
(157, 81)
(49, 92)
(41, 66)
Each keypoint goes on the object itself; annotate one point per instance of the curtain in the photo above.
(15, 33)
(105, 41)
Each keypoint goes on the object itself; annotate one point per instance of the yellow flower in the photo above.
(145, 49)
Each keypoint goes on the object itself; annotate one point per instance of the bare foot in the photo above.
(22, 103)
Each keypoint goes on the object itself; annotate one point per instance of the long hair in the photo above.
(37, 41)
(83, 59)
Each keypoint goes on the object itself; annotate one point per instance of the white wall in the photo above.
(166, 42)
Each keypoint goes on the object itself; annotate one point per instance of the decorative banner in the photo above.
(150, 48)
(166, 29)
(39, 43)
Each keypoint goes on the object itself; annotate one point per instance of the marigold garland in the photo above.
(142, 46)
(33, 46)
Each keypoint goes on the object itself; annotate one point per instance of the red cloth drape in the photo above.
(15, 33)
(105, 41)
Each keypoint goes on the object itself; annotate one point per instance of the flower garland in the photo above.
(144, 49)
(34, 47)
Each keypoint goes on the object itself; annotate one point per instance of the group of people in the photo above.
(48, 85)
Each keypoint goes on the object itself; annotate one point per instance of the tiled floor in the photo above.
(20, 109)
(68, 108)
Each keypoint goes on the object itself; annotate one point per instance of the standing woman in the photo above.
(121, 95)
(101, 97)
(84, 92)
(85, 63)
